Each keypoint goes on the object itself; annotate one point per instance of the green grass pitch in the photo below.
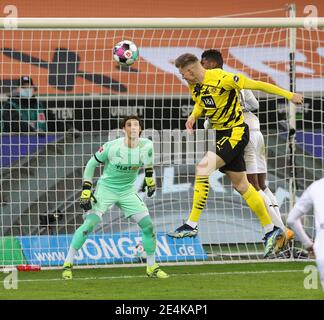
(264, 281)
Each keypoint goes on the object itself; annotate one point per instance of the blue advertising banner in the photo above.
(109, 248)
(16, 146)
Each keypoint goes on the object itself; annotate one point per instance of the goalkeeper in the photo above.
(122, 159)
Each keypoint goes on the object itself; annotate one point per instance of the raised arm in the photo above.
(273, 89)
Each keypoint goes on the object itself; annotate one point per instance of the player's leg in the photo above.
(256, 168)
(253, 179)
(134, 207)
(210, 162)
(228, 143)
(273, 234)
(260, 167)
(319, 253)
(277, 221)
(254, 164)
(250, 159)
(268, 197)
(204, 169)
(265, 192)
(274, 211)
(105, 199)
(320, 267)
(269, 194)
(252, 197)
(234, 151)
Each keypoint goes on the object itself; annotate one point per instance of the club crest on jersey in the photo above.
(236, 78)
(100, 150)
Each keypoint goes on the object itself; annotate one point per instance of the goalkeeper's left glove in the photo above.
(149, 183)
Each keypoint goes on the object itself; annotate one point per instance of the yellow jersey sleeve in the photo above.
(234, 81)
(267, 87)
(197, 110)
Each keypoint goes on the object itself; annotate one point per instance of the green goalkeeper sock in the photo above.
(81, 235)
(148, 235)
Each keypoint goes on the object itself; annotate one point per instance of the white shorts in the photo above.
(254, 154)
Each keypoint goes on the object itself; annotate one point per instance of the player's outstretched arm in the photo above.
(273, 89)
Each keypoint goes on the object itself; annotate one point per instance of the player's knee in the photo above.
(202, 164)
(262, 186)
(91, 221)
(200, 170)
(147, 226)
(254, 181)
(206, 165)
(262, 181)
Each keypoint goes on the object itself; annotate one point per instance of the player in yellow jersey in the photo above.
(216, 94)
(254, 152)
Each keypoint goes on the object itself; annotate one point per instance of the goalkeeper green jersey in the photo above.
(121, 163)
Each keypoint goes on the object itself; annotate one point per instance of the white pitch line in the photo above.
(172, 275)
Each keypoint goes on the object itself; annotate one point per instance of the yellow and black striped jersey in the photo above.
(218, 97)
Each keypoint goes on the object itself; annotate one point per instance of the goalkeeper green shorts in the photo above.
(128, 201)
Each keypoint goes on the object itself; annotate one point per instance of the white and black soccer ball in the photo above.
(125, 52)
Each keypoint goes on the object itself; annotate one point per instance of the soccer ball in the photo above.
(125, 53)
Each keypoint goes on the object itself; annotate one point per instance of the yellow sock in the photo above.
(256, 204)
(200, 197)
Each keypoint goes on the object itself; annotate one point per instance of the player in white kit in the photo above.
(311, 199)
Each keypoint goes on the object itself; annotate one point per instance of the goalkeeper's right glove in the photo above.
(149, 184)
(87, 196)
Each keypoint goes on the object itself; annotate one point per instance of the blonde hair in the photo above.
(185, 59)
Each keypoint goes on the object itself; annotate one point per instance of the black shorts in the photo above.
(230, 146)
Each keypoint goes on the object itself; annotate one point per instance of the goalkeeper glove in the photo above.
(149, 183)
(87, 196)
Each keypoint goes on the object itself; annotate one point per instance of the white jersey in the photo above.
(250, 103)
(254, 152)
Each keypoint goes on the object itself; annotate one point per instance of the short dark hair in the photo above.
(214, 55)
(185, 59)
(123, 122)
